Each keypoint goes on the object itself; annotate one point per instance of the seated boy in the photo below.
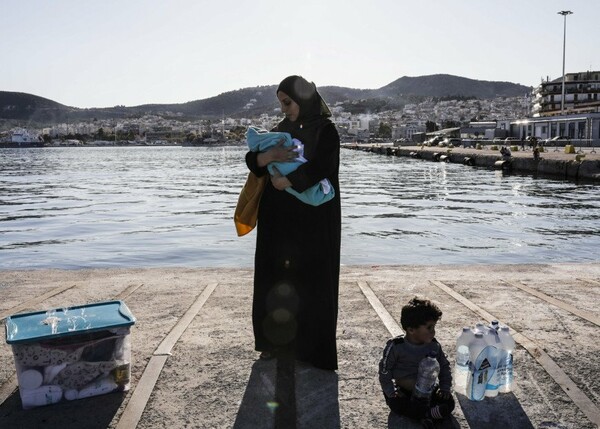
(400, 363)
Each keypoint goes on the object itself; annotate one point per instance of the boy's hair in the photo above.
(418, 312)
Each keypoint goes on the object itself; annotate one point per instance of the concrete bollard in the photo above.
(502, 164)
(589, 169)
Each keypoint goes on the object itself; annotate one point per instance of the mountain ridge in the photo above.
(253, 101)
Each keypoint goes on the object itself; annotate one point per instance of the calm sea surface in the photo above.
(173, 206)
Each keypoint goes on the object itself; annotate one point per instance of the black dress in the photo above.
(297, 260)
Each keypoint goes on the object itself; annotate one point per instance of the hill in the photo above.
(249, 102)
(444, 85)
(19, 106)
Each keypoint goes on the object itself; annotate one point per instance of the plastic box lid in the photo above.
(60, 322)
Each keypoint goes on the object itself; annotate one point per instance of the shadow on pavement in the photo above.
(258, 406)
(282, 393)
(317, 398)
(503, 411)
(402, 422)
(91, 413)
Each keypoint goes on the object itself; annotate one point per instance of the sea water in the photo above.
(94, 207)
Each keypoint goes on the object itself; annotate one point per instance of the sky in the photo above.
(102, 53)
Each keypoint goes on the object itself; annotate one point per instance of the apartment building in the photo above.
(581, 95)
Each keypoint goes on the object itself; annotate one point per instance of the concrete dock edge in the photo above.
(555, 164)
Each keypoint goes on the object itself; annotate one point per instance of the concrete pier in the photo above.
(584, 165)
(194, 365)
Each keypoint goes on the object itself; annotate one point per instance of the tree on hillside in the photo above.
(385, 131)
(450, 124)
(431, 126)
(237, 133)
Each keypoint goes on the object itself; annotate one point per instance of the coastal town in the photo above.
(169, 129)
(540, 114)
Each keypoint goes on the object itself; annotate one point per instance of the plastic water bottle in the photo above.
(480, 327)
(505, 361)
(492, 338)
(492, 334)
(461, 369)
(429, 368)
(479, 365)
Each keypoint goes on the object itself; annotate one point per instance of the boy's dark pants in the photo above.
(404, 406)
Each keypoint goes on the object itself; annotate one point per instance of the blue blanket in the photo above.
(260, 140)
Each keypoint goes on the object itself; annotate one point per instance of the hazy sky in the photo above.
(99, 53)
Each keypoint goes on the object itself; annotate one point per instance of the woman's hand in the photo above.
(279, 182)
(277, 153)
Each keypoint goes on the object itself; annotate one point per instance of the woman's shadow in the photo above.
(282, 393)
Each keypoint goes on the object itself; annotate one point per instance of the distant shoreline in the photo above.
(113, 144)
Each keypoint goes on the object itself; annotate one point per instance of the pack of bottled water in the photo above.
(484, 361)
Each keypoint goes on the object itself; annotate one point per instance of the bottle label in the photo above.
(462, 355)
(505, 368)
(480, 371)
(121, 374)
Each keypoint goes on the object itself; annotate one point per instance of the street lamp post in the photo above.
(564, 13)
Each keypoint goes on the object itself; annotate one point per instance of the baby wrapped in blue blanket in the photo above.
(260, 140)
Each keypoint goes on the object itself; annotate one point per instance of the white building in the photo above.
(21, 135)
(581, 128)
(581, 95)
(407, 131)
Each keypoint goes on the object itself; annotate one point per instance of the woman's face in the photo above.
(289, 107)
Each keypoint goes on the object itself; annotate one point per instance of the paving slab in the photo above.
(209, 375)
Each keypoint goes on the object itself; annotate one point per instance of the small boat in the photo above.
(23, 138)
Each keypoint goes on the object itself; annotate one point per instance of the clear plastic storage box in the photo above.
(71, 353)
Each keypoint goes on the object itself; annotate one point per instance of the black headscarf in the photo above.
(314, 113)
(305, 94)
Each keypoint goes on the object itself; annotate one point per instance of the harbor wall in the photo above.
(568, 166)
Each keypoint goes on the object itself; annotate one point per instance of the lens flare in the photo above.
(272, 406)
(281, 315)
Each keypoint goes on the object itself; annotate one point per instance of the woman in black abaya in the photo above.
(297, 260)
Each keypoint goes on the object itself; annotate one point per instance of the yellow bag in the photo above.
(246, 211)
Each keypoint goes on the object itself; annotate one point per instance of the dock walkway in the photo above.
(194, 365)
(584, 164)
